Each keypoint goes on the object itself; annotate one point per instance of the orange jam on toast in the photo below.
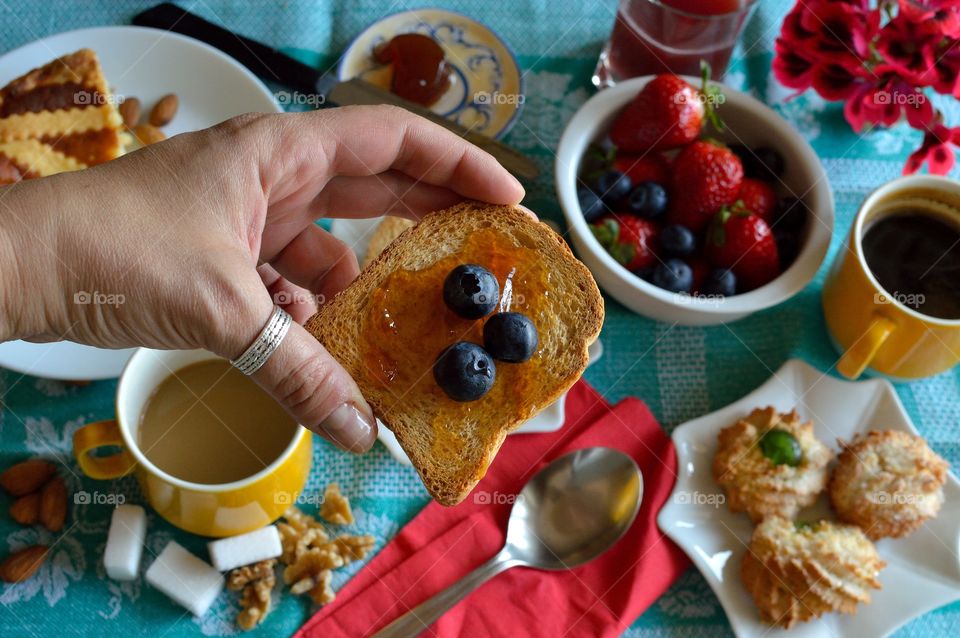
(407, 326)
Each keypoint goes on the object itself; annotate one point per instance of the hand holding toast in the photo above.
(189, 243)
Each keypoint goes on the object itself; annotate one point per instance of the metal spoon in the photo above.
(569, 513)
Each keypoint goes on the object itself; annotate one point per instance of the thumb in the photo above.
(316, 390)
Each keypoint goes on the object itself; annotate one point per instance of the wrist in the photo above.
(28, 270)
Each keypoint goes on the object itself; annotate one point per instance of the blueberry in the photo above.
(677, 241)
(591, 206)
(787, 247)
(648, 199)
(471, 291)
(791, 215)
(510, 336)
(674, 275)
(720, 282)
(763, 163)
(465, 371)
(612, 186)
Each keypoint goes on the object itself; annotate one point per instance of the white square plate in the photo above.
(923, 570)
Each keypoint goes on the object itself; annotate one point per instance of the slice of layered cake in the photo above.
(59, 117)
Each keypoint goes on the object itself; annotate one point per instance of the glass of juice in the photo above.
(671, 36)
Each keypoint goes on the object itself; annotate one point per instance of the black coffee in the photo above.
(916, 258)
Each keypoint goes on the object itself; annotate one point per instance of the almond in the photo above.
(53, 504)
(26, 509)
(26, 477)
(164, 110)
(130, 111)
(148, 134)
(20, 565)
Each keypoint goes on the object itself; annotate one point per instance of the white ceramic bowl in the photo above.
(748, 122)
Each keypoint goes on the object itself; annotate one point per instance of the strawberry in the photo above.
(743, 242)
(628, 239)
(759, 198)
(667, 112)
(642, 168)
(706, 176)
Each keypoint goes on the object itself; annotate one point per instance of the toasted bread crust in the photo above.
(386, 231)
(578, 318)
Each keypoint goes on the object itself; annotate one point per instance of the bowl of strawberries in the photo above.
(692, 202)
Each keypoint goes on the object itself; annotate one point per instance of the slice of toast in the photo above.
(452, 444)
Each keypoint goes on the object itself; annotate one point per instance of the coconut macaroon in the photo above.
(887, 482)
(771, 464)
(796, 572)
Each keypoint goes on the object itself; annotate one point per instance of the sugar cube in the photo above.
(186, 579)
(128, 528)
(245, 549)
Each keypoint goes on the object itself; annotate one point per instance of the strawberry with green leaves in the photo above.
(743, 242)
(706, 176)
(628, 239)
(667, 113)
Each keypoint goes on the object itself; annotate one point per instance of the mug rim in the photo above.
(933, 181)
(134, 449)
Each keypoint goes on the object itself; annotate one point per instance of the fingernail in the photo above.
(351, 427)
(518, 184)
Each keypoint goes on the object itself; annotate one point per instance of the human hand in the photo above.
(193, 240)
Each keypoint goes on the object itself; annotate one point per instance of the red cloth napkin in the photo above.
(442, 544)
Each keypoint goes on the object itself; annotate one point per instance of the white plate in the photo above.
(922, 571)
(146, 63)
(356, 234)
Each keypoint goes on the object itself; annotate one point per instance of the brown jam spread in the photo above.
(407, 326)
(420, 71)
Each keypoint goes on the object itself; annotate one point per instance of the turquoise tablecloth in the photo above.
(680, 372)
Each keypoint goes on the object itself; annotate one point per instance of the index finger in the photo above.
(368, 140)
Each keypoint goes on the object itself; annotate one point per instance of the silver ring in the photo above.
(266, 342)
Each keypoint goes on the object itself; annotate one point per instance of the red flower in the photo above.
(791, 68)
(792, 30)
(907, 51)
(936, 151)
(947, 69)
(841, 28)
(939, 17)
(834, 81)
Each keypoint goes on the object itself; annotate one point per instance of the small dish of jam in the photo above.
(443, 60)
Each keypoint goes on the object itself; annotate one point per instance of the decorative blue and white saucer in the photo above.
(486, 90)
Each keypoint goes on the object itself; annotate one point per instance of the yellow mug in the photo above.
(208, 510)
(872, 327)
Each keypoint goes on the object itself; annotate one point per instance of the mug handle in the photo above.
(859, 355)
(94, 435)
